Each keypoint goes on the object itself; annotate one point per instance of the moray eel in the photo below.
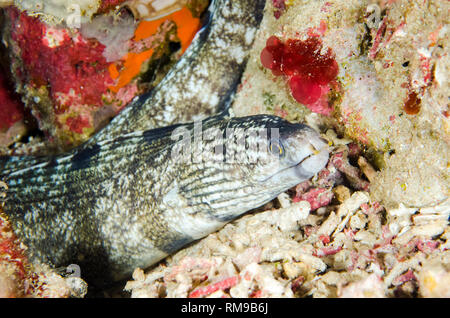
(132, 195)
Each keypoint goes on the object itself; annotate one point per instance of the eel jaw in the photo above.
(313, 163)
(303, 170)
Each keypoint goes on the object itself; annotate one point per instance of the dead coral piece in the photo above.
(370, 287)
(434, 279)
(367, 169)
(342, 193)
(340, 161)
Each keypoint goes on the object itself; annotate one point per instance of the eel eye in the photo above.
(276, 148)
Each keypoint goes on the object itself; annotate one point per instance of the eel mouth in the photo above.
(314, 162)
(307, 167)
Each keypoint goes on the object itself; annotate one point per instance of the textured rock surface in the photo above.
(392, 95)
(74, 80)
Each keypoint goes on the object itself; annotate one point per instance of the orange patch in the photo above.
(131, 68)
(187, 27)
(113, 72)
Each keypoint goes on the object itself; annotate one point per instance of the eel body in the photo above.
(132, 201)
(134, 193)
